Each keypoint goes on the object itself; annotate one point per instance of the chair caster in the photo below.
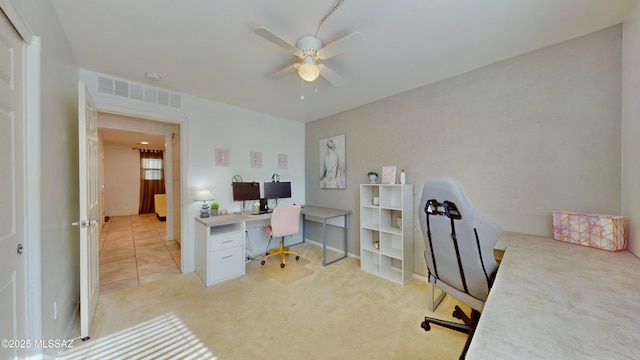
(282, 266)
(425, 325)
(297, 258)
(262, 262)
(455, 314)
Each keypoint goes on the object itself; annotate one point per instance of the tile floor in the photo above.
(134, 251)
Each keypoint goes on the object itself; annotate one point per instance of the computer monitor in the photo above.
(277, 190)
(243, 191)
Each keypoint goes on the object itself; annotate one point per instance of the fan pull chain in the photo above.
(315, 90)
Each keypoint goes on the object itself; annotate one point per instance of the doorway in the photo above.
(137, 248)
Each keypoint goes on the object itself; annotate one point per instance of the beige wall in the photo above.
(524, 136)
(121, 180)
(631, 129)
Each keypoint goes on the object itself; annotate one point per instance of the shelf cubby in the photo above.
(386, 244)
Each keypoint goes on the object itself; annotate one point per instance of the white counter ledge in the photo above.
(553, 300)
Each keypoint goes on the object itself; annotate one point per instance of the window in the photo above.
(152, 169)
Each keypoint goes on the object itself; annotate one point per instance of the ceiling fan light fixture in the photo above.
(309, 71)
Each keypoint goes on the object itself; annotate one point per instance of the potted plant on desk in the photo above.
(214, 209)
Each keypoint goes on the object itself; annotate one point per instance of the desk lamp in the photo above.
(204, 196)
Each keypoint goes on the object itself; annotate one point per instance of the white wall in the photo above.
(524, 136)
(209, 125)
(631, 128)
(219, 126)
(121, 180)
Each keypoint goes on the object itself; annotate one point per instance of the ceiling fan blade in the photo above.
(339, 46)
(335, 79)
(265, 33)
(284, 72)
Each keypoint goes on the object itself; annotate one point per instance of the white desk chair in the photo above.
(459, 246)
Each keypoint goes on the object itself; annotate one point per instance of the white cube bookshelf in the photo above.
(386, 246)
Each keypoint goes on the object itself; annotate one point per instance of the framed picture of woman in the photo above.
(332, 163)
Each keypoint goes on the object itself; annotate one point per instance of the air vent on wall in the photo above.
(163, 97)
(150, 95)
(136, 92)
(123, 88)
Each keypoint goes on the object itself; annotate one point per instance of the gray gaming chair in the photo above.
(459, 246)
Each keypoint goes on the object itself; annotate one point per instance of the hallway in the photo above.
(134, 251)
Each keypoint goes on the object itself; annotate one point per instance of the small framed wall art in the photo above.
(222, 157)
(255, 159)
(282, 161)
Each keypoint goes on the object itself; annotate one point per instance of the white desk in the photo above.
(220, 245)
(553, 300)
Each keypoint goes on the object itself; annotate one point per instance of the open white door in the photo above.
(89, 222)
(13, 311)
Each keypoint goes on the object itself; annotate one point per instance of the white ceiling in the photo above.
(112, 137)
(209, 48)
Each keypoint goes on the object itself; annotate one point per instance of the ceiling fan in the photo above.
(309, 50)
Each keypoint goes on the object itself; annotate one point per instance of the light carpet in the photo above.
(333, 312)
(293, 271)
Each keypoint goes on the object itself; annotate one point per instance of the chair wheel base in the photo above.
(456, 314)
(425, 325)
(468, 326)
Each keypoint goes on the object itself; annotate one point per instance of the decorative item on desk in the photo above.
(599, 231)
(388, 175)
(376, 201)
(214, 209)
(403, 178)
(376, 244)
(204, 196)
(373, 177)
(399, 222)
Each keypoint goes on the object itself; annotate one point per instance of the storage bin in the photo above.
(605, 232)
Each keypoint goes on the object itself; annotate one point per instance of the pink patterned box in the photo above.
(597, 231)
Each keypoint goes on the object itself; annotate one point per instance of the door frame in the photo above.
(32, 239)
(186, 246)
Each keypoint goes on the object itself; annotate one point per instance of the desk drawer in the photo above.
(225, 240)
(225, 264)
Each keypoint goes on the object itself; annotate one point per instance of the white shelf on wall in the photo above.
(392, 259)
